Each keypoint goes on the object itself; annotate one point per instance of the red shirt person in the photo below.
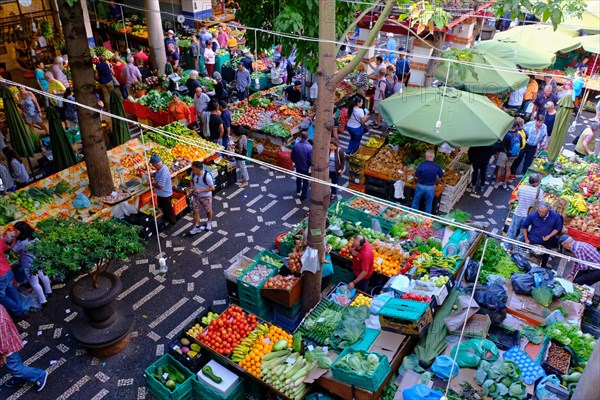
(362, 263)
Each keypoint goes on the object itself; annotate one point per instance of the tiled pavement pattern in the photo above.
(246, 221)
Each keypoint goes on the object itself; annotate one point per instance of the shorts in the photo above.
(33, 119)
(202, 203)
(505, 161)
(598, 106)
(376, 108)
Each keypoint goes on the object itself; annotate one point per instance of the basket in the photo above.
(477, 326)
(405, 316)
(182, 391)
(336, 208)
(180, 203)
(204, 392)
(286, 298)
(551, 370)
(367, 340)
(368, 382)
(263, 253)
(581, 236)
(145, 199)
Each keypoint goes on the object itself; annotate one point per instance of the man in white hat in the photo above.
(390, 46)
(170, 39)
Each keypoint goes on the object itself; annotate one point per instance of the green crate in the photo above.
(372, 382)
(220, 60)
(285, 248)
(252, 290)
(289, 312)
(204, 392)
(254, 390)
(352, 214)
(270, 254)
(367, 339)
(183, 391)
(336, 208)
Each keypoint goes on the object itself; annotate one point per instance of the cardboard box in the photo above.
(387, 343)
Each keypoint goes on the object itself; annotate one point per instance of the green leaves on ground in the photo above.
(543, 295)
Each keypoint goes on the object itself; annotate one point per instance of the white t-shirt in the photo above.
(516, 97)
(355, 116)
(526, 195)
(209, 56)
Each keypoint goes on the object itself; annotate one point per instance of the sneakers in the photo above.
(195, 230)
(206, 227)
(40, 384)
(504, 185)
(496, 185)
(298, 193)
(15, 382)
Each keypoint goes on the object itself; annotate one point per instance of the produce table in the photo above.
(158, 118)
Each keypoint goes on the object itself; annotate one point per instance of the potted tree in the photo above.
(68, 247)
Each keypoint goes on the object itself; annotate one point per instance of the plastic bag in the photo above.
(399, 190)
(489, 298)
(471, 352)
(558, 290)
(542, 393)
(497, 280)
(471, 272)
(310, 260)
(375, 225)
(521, 262)
(522, 283)
(554, 316)
(327, 267)
(421, 392)
(442, 365)
(81, 201)
(342, 295)
(379, 301)
(497, 290)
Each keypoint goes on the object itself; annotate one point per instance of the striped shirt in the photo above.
(526, 195)
(163, 178)
(536, 137)
(10, 340)
(585, 252)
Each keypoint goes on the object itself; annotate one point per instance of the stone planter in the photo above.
(106, 323)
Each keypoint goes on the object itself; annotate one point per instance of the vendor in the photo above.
(362, 263)
(586, 144)
(179, 111)
(542, 227)
(582, 274)
(426, 175)
(293, 93)
(173, 56)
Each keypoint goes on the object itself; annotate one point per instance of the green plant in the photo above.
(69, 246)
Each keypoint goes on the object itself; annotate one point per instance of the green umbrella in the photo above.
(466, 119)
(561, 125)
(590, 43)
(540, 37)
(512, 51)
(589, 22)
(62, 152)
(19, 133)
(490, 74)
(120, 128)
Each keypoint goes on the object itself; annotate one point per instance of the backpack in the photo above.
(515, 145)
(389, 88)
(204, 179)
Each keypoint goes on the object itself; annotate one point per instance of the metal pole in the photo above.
(156, 42)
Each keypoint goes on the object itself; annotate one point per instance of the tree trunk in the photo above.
(319, 194)
(156, 38)
(438, 43)
(92, 137)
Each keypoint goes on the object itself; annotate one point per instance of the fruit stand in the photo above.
(152, 108)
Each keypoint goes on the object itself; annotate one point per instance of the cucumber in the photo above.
(174, 374)
(207, 370)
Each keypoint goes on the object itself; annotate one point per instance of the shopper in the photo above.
(582, 274)
(118, 66)
(201, 101)
(57, 71)
(241, 147)
(179, 111)
(247, 61)
(566, 90)
(380, 86)
(509, 151)
(202, 186)
(361, 79)
(10, 345)
(9, 296)
(143, 68)
(6, 176)
(23, 239)
(163, 188)
(226, 118)
(293, 93)
(70, 109)
(104, 75)
(204, 36)
(32, 113)
(391, 81)
(362, 263)
(130, 74)
(530, 95)
(173, 57)
(209, 58)
(170, 39)
(542, 99)
(276, 74)
(302, 158)
(192, 83)
(390, 47)
(337, 164)
(41, 80)
(141, 55)
(355, 125)
(195, 51)
(55, 87)
(480, 159)
(587, 142)
(215, 123)
(515, 100)
(403, 67)
(537, 139)
(17, 168)
(521, 156)
(541, 227)
(426, 175)
(549, 80)
(220, 87)
(528, 197)
(549, 116)
(214, 43)
(222, 37)
(242, 81)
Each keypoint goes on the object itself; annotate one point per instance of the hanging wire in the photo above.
(210, 147)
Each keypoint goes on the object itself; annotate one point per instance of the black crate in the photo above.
(377, 192)
(376, 182)
(232, 289)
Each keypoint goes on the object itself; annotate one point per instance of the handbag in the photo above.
(365, 128)
(576, 140)
(534, 205)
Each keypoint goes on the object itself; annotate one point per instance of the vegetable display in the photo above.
(501, 380)
(281, 282)
(362, 363)
(224, 333)
(322, 321)
(276, 129)
(351, 328)
(286, 372)
(169, 376)
(571, 336)
(156, 100)
(543, 295)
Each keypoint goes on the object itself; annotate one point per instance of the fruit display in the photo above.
(350, 230)
(438, 281)
(452, 177)
(275, 340)
(295, 264)
(366, 205)
(208, 318)
(243, 348)
(8, 211)
(165, 154)
(435, 258)
(187, 349)
(586, 224)
(361, 300)
(33, 198)
(336, 243)
(169, 376)
(286, 370)
(225, 332)
(388, 259)
(257, 275)
(416, 297)
(281, 282)
(375, 142)
(389, 161)
(345, 251)
(577, 205)
(175, 129)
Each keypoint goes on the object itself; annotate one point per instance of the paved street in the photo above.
(246, 221)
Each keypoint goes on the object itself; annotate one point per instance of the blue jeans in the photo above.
(334, 176)
(514, 228)
(529, 156)
(302, 184)
(355, 137)
(9, 296)
(21, 372)
(424, 191)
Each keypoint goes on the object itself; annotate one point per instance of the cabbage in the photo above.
(543, 295)
(373, 359)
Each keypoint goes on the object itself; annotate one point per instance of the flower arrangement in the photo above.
(152, 81)
(139, 86)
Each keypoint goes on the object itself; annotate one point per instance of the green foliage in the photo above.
(425, 15)
(552, 11)
(69, 246)
(459, 69)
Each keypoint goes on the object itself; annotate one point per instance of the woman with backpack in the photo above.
(509, 151)
(391, 82)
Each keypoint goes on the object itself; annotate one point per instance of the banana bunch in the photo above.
(577, 205)
(435, 258)
(241, 350)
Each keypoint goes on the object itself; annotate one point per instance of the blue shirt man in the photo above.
(163, 188)
(542, 227)
(390, 46)
(427, 174)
